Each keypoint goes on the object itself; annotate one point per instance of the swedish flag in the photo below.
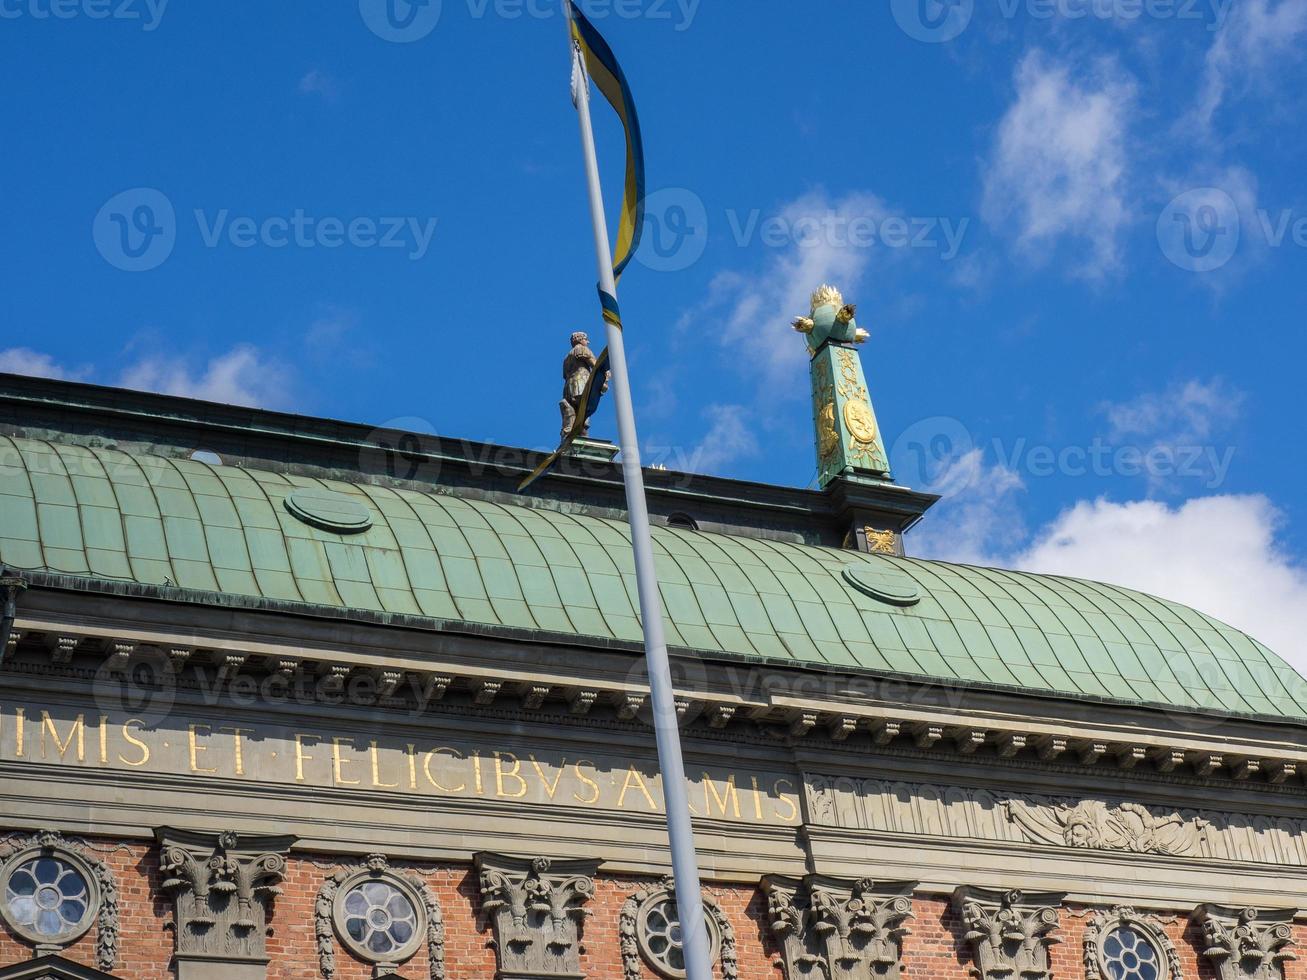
(601, 65)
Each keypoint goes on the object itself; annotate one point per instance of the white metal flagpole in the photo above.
(685, 864)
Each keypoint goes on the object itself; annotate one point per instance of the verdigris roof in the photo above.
(105, 514)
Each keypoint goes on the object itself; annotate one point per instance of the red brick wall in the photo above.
(933, 950)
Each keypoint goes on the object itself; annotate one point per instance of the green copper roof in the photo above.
(104, 514)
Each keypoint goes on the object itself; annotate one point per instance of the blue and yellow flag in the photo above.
(602, 66)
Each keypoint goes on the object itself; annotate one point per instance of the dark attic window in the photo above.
(683, 521)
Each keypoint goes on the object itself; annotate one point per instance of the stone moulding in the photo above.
(837, 928)
(327, 918)
(223, 887)
(101, 884)
(635, 942)
(1248, 943)
(1010, 932)
(536, 909)
(1106, 921)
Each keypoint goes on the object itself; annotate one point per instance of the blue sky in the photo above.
(1077, 230)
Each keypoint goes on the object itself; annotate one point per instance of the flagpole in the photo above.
(685, 863)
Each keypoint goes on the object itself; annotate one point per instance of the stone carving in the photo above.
(223, 887)
(1123, 919)
(536, 909)
(1095, 824)
(578, 366)
(330, 916)
(101, 892)
(1246, 944)
(835, 929)
(1010, 932)
(960, 812)
(645, 925)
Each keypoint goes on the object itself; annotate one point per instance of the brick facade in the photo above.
(933, 950)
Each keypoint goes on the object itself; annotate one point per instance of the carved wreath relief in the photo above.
(1010, 933)
(1095, 824)
(650, 930)
(1245, 944)
(536, 909)
(224, 887)
(52, 891)
(382, 917)
(837, 929)
(1121, 944)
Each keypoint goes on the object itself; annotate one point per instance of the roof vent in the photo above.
(683, 521)
(329, 511)
(882, 579)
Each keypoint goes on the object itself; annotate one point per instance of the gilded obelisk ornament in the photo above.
(577, 368)
(848, 439)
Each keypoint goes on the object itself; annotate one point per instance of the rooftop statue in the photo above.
(578, 366)
(848, 438)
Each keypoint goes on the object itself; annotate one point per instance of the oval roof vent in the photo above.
(329, 511)
(882, 579)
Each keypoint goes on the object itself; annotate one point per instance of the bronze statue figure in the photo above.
(577, 368)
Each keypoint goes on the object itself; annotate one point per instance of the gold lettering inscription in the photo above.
(376, 771)
(583, 778)
(426, 765)
(196, 749)
(502, 774)
(757, 798)
(410, 753)
(711, 796)
(238, 734)
(131, 739)
(791, 804)
(103, 729)
(550, 788)
(633, 777)
(78, 731)
(301, 756)
(476, 771)
(19, 720)
(338, 762)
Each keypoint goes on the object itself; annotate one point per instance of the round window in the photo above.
(380, 917)
(1128, 955)
(48, 900)
(661, 940)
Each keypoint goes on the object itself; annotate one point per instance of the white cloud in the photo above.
(1219, 555)
(1257, 38)
(34, 364)
(731, 436)
(242, 376)
(979, 515)
(1060, 162)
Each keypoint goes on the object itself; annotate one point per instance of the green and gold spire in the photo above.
(849, 441)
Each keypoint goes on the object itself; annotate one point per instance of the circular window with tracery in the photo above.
(380, 917)
(1129, 955)
(659, 932)
(49, 899)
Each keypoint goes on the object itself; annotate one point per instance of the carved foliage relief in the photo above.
(224, 887)
(1010, 932)
(650, 931)
(961, 812)
(834, 929)
(1246, 944)
(536, 908)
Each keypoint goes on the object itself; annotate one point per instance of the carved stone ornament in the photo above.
(53, 890)
(536, 908)
(223, 887)
(1122, 944)
(1010, 932)
(1246, 944)
(836, 929)
(1102, 826)
(650, 929)
(381, 916)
